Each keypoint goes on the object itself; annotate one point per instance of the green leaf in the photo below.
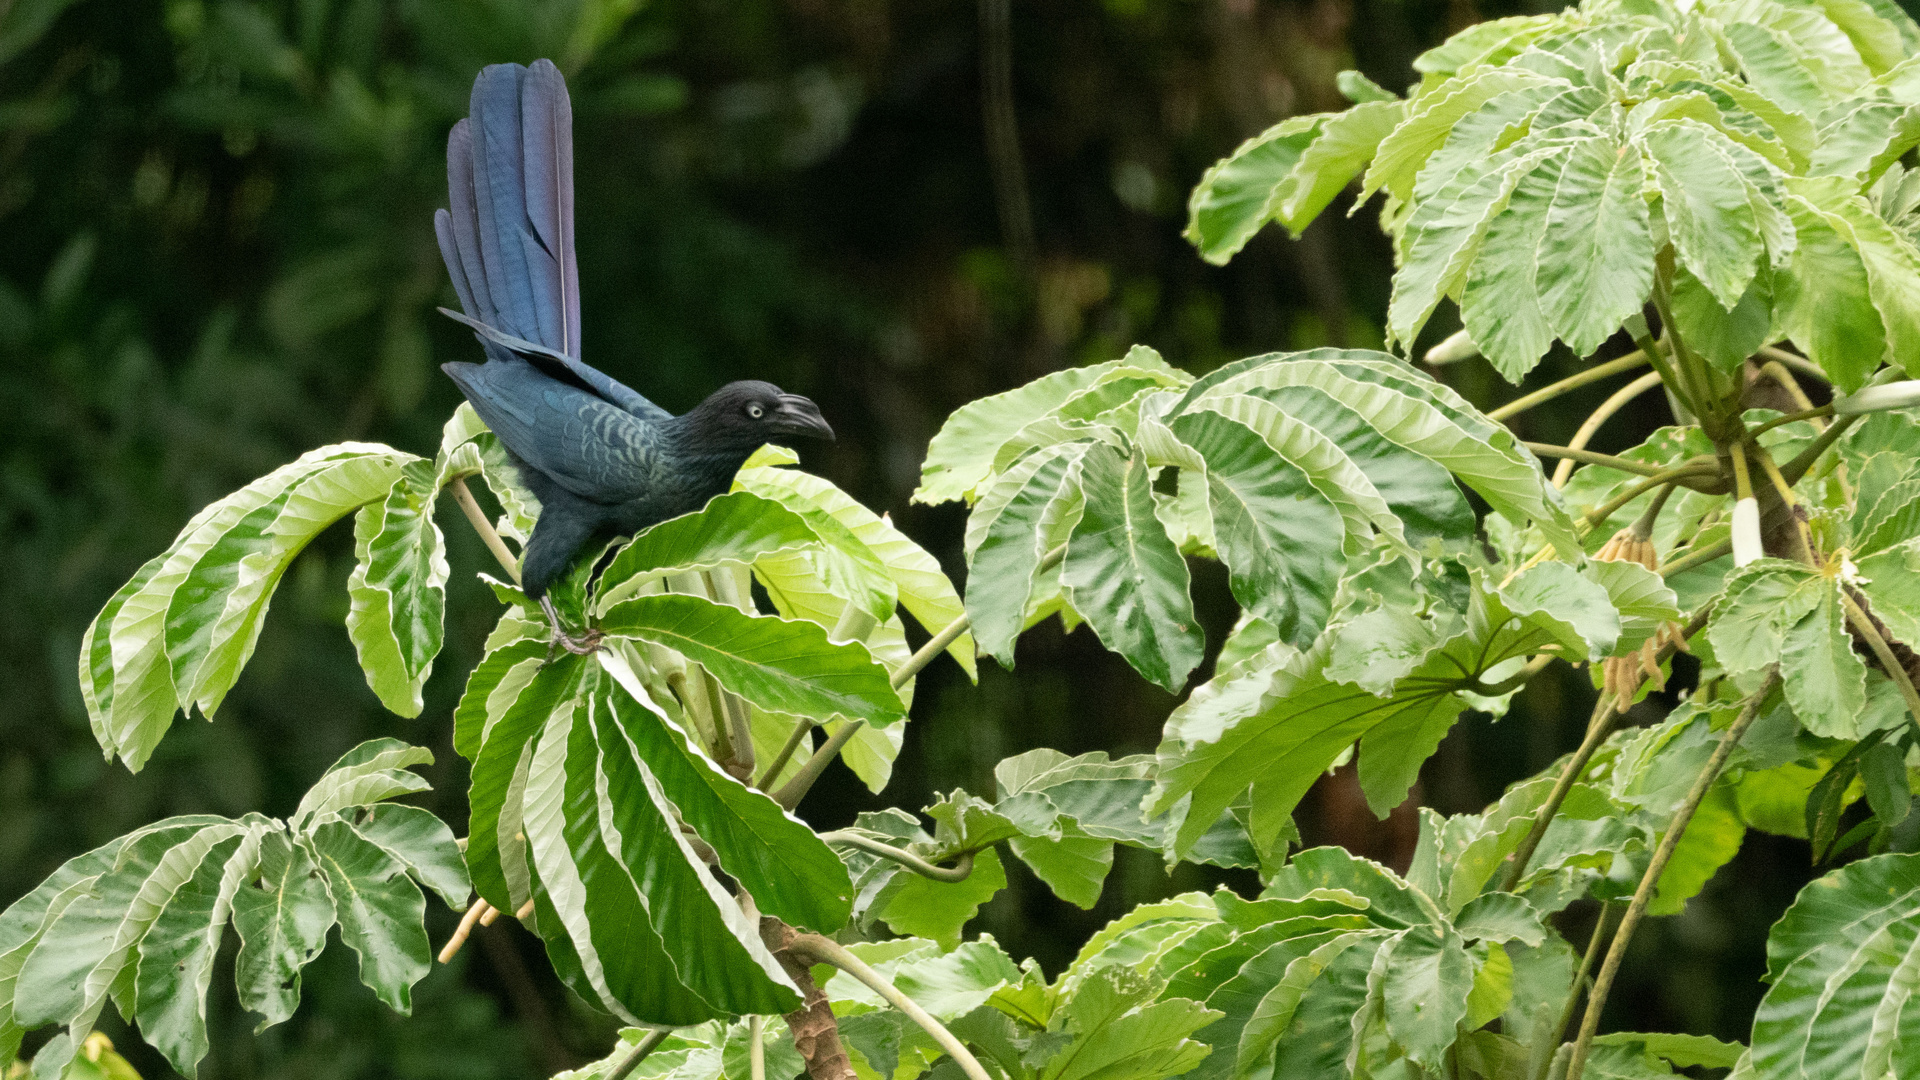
(1826, 301)
(781, 665)
(1418, 415)
(1843, 963)
(1725, 337)
(1682, 1051)
(1125, 576)
(922, 907)
(1120, 1033)
(1280, 538)
(423, 844)
(1492, 987)
(738, 527)
(398, 589)
(1500, 917)
(1705, 199)
(1402, 154)
(1711, 841)
(1883, 772)
(177, 634)
(1501, 303)
(1300, 716)
(961, 455)
(915, 575)
(1341, 147)
(1824, 679)
(1444, 234)
(176, 956)
(1019, 515)
(283, 916)
(380, 911)
(1863, 141)
(656, 936)
(1428, 979)
(373, 771)
(1595, 257)
(1302, 1027)
(789, 872)
(1242, 191)
(1357, 88)
(492, 688)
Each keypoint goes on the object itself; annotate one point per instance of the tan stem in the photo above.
(488, 534)
(1570, 383)
(1591, 426)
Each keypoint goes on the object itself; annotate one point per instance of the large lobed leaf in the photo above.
(590, 799)
(140, 920)
(1537, 168)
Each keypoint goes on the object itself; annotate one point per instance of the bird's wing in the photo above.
(507, 237)
(585, 444)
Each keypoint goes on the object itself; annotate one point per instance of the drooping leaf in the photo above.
(1242, 192)
(177, 634)
(1125, 576)
(1280, 538)
(398, 589)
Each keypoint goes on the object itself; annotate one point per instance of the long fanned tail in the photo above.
(507, 237)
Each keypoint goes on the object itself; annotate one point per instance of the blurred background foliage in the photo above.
(218, 254)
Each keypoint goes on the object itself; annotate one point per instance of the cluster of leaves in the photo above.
(1543, 165)
(139, 921)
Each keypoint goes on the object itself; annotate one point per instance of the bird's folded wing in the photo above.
(507, 237)
(584, 444)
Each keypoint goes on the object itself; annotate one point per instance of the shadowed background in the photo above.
(219, 253)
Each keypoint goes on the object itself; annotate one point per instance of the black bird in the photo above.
(604, 461)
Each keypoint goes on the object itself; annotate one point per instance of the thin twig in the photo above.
(1600, 928)
(1796, 469)
(1570, 383)
(1797, 363)
(905, 858)
(1642, 896)
(1591, 425)
(1814, 413)
(1588, 457)
(467, 923)
(794, 790)
(1696, 558)
(802, 727)
(1594, 518)
(647, 1044)
(488, 534)
(825, 951)
(1599, 725)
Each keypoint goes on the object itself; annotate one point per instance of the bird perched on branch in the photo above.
(604, 461)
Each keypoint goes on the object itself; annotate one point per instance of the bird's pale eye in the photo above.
(756, 411)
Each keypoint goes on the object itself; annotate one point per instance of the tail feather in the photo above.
(547, 157)
(507, 236)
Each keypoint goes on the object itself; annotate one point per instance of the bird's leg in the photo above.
(579, 646)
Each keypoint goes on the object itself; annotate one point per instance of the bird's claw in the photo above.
(560, 639)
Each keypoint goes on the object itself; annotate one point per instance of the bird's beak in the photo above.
(800, 416)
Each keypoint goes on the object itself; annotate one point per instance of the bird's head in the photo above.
(751, 413)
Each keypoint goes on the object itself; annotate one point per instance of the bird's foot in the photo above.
(560, 639)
